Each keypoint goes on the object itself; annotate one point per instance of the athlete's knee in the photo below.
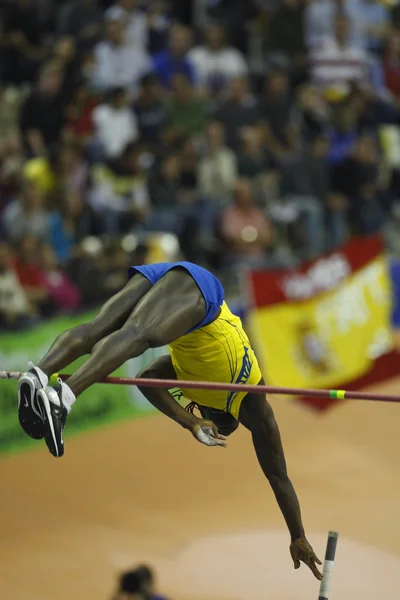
(79, 338)
(131, 340)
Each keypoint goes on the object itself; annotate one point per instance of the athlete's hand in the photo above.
(301, 550)
(207, 433)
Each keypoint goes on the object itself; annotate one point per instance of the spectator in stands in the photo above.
(15, 310)
(134, 20)
(11, 165)
(238, 111)
(160, 16)
(79, 114)
(320, 18)
(189, 159)
(164, 184)
(286, 31)
(281, 132)
(119, 193)
(313, 112)
(80, 19)
(343, 131)
(115, 123)
(218, 166)
(61, 292)
(357, 178)
(42, 113)
(235, 16)
(185, 111)
(245, 230)
(336, 63)
(391, 63)
(253, 160)
(23, 43)
(64, 166)
(26, 214)
(71, 62)
(26, 264)
(117, 62)
(71, 220)
(215, 62)
(150, 112)
(174, 59)
(116, 265)
(305, 182)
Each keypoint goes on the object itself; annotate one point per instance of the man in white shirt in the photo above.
(117, 62)
(217, 169)
(115, 124)
(336, 63)
(215, 62)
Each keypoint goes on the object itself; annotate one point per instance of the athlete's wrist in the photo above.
(188, 420)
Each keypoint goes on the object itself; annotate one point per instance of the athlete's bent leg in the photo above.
(174, 305)
(257, 415)
(69, 346)
(170, 308)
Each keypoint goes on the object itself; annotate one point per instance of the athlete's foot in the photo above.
(55, 403)
(29, 410)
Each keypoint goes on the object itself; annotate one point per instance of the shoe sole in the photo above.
(30, 421)
(48, 422)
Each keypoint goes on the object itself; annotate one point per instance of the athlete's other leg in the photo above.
(174, 305)
(257, 415)
(171, 307)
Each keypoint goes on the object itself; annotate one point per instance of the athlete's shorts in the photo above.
(210, 287)
(220, 352)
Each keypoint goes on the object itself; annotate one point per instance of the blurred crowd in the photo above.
(230, 133)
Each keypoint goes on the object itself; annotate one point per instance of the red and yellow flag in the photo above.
(326, 324)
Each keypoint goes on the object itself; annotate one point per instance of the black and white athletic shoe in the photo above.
(29, 411)
(55, 415)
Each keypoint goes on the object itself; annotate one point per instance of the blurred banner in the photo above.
(327, 324)
(99, 405)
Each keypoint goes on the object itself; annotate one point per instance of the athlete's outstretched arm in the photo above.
(257, 415)
(204, 431)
